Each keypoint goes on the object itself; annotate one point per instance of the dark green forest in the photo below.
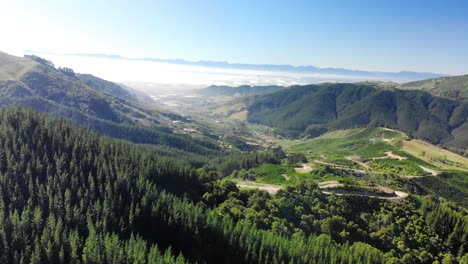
(69, 195)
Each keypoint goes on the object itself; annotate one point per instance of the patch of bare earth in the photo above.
(304, 169)
(431, 171)
(381, 192)
(390, 155)
(272, 189)
(329, 184)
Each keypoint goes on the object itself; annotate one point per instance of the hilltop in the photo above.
(455, 87)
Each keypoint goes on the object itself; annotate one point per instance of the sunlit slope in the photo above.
(12, 68)
(437, 156)
(371, 143)
(451, 87)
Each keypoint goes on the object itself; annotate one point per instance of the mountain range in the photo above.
(400, 77)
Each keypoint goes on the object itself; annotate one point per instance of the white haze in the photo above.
(155, 77)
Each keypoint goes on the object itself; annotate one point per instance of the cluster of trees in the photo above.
(417, 230)
(244, 161)
(68, 195)
(40, 60)
(398, 167)
(452, 185)
(65, 193)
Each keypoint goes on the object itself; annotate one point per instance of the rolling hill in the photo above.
(314, 109)
(455, 87)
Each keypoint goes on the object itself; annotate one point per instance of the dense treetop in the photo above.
(70, 195)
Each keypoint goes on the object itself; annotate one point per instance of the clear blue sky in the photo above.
(365, 34)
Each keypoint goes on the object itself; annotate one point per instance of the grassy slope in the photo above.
(333, 146)
(451, 87)
(439, 157)
(351, 142)
(40, 85)
(13, 68)
(368, 143)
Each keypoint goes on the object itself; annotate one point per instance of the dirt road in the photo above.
(304, 169)
(431, 171)
(329, 184)
(366, 191)
(353, 159)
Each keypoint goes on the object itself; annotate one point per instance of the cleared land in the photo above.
(381, 192)
(360, 145)
(334, 188)
(362, 161)
(304, 169)
(270, 188)
(439, 157)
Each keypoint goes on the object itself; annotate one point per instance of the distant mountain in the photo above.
(400, 77)
(455, 87)
(315, 109)
(244, 90)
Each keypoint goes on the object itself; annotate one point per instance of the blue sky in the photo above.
(369, 35)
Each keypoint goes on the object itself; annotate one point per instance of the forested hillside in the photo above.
(38, 83)
(106, 87)
(455, 87)
(94, 103)
(68, 195)
(315, 109)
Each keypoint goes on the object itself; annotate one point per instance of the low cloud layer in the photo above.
(168, 74)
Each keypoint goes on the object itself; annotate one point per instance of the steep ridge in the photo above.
(102, 106)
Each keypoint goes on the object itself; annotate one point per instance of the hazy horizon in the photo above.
(420, 36)
(186, 74)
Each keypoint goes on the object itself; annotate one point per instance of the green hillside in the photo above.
(92, 102)
(106, 87)
(455, 87)
(68, 195)
(314, 109)
(41, 84)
